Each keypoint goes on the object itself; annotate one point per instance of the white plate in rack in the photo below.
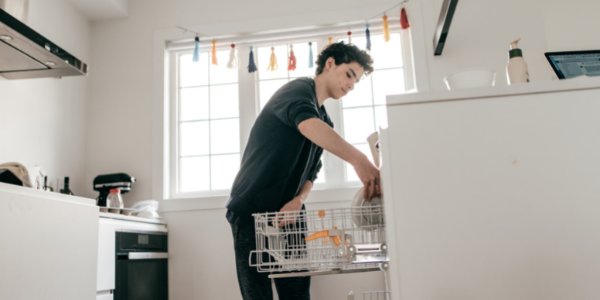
(363, 216)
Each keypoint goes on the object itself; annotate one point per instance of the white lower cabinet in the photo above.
(48, 245)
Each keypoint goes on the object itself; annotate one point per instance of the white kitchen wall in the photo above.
(572, 25)
(479, 37)
(43, 121)
(120, 123)
(481, 31)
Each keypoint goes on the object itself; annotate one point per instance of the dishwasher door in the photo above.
(141, 266)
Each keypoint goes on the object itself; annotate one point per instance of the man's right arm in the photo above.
(321, 134)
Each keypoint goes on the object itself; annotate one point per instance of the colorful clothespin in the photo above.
(403, 18)
(273, 62)
(251, 65)
(196, 50)
(233, 63)
(214, 53)
(291, 59)
(310, 55)
(368, 34)
(386, 28)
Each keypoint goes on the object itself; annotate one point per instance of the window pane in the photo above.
(386, 55)
(301, 51)
(194, 104)
(359, 41)
(360, 96)
(264, 58)
(224, 168)
(224, 101)
(321, 174)
(221, 74)
(193, 73)
(194, 174)
(358, 124)
(387, 82)
(225, 136)
(350, 172)
(268, 88)
(381, 119)
(193, 138)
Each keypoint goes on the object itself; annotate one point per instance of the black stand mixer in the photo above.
(104, 183)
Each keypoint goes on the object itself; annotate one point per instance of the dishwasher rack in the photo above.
(319, 242)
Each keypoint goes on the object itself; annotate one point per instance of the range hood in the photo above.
(25, 53)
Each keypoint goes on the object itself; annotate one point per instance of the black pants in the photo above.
(255, 285)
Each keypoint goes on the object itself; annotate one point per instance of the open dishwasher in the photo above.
(322, 242)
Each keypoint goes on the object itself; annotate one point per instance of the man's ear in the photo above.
(329, 63)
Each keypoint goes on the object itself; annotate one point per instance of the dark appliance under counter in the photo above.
(141, 271)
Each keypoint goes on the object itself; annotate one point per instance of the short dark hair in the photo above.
(344, 54)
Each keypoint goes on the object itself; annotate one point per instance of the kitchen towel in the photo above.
(32, 177)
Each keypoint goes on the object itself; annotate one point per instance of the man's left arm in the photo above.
(296, 203)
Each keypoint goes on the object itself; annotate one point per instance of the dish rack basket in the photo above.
(333, 241)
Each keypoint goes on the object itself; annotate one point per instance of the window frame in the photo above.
(249, 102)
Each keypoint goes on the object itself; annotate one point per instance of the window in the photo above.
(364, 109)
(208, 148)
(210, 103)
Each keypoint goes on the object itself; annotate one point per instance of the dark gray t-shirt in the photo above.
(278, 159)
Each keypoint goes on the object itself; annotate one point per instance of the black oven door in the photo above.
(141, 266)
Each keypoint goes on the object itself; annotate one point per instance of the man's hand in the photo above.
(290, 218)
(295, 205)
(369, 176)
(321, 134)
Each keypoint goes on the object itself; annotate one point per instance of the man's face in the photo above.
(342, 78)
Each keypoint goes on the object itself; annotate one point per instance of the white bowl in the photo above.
(470, 79)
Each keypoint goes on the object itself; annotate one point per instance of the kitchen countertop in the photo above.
(21, 190)
(578, 83)
(131, 218)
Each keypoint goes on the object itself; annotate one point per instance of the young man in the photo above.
(282, 159)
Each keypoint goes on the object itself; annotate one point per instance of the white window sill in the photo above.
(218, 202)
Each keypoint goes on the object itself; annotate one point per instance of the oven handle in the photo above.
(147, 255)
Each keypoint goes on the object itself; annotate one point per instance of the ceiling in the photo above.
(96, 10)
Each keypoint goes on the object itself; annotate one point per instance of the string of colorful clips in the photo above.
(291, 58)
